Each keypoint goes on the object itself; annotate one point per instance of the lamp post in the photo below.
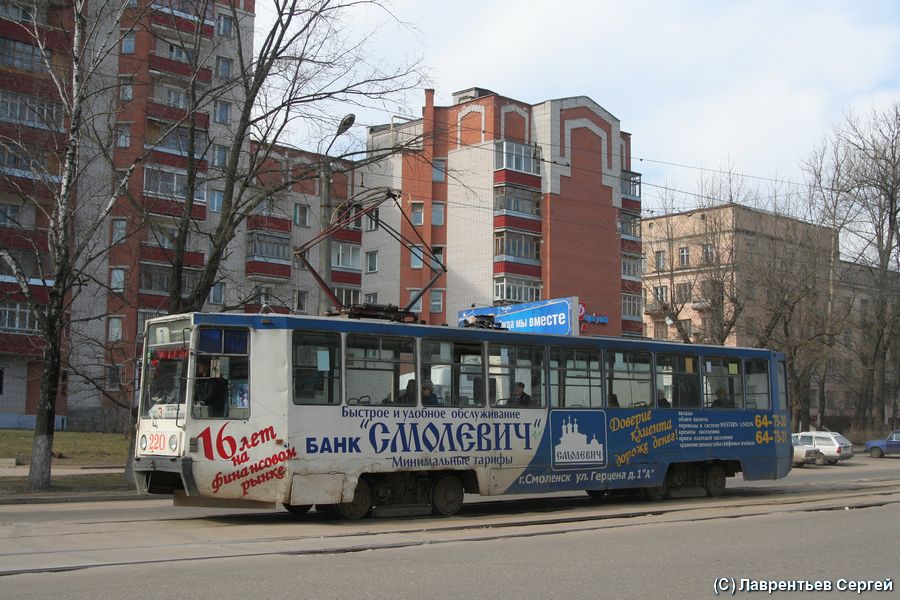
(325, 209)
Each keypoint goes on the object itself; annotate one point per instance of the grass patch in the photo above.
(66, 484)
(73, 448)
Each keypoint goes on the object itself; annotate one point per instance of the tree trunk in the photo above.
(45, 417)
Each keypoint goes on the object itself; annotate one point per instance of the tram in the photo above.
(357, 416)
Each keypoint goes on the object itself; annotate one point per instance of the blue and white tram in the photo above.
(351, 415)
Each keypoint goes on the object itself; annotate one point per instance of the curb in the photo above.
(86, 497)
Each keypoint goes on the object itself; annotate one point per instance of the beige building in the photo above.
(738, 276)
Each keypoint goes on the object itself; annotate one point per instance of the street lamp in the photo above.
(325, 209)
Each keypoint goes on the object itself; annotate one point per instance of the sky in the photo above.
(751, 86)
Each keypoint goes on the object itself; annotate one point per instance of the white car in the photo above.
(833, 446)
(804, 454)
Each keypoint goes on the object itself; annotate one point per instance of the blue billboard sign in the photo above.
(558, 316)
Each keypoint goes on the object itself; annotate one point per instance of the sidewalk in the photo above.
(67, 495)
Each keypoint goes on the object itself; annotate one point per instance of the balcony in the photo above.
(168, 66)
(178, 20)
(654, 307)
(631, 185)
(173, 114)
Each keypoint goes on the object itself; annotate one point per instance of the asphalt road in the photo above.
(820, 524)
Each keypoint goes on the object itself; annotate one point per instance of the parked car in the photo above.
(889, 445)
(804, 454)
(832, 445)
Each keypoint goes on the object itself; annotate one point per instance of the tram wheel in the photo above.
(361, 504)
(298, 509)
(447, 495)
(656, 493)
(714, 480)
(597, 494)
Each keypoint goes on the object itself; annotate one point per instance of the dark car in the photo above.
(889, 445)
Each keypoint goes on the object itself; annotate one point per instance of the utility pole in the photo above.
(325, 212)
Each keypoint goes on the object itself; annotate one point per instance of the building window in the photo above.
(126, 89)
(515, 289)
(301, 215)
(661, 293)
(372, 261)
(660, 260)
(31, 111)
(436, 305)
(439, 169)
(9, 215)
(117, 280)
(119, 230)
(17, 318)
(709, 254)
(226, 26)
(630, 225)
(371, 298)
(417, 307)
(631, 305)
(517, 199)
(347, 296)
(223, 67)
(632, 266)
(437, 213)
(113, 377)
(178, 53)
(517, 245)
(170, 184)
(416, 257)
(114, 329)
(268, 246)
(220, 155)
(123, 135)
(20, 55)
(518, 157)
(345, 256)
(217, 293)
(216, 197)
(372, 220)
(177, 98)
(682, 292)
(686, 326)
(301, 300)
(222, 112)
(437, 262)
(660, 330)
(684, 257)
(128, 43)
(417, 215)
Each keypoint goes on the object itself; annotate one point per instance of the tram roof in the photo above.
(376, 326)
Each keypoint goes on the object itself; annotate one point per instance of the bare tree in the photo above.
(858, 166)
(52, 169)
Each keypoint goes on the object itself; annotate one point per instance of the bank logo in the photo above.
(579, 439)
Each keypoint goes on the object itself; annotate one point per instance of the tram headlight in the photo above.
(173, 443)
(143, 442)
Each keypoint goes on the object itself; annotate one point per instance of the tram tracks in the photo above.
(249, 535)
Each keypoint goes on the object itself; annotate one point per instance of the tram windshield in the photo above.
(165, 370)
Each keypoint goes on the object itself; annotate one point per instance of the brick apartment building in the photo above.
(521, 202)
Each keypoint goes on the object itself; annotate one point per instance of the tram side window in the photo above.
(516, 376)
(782, 386)
(678, 378)
(576, 380)
(317, 367)
(455, 371)
(629, 379)
(221, 379)
(381, 370)
(757, 384)
(722, 385)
